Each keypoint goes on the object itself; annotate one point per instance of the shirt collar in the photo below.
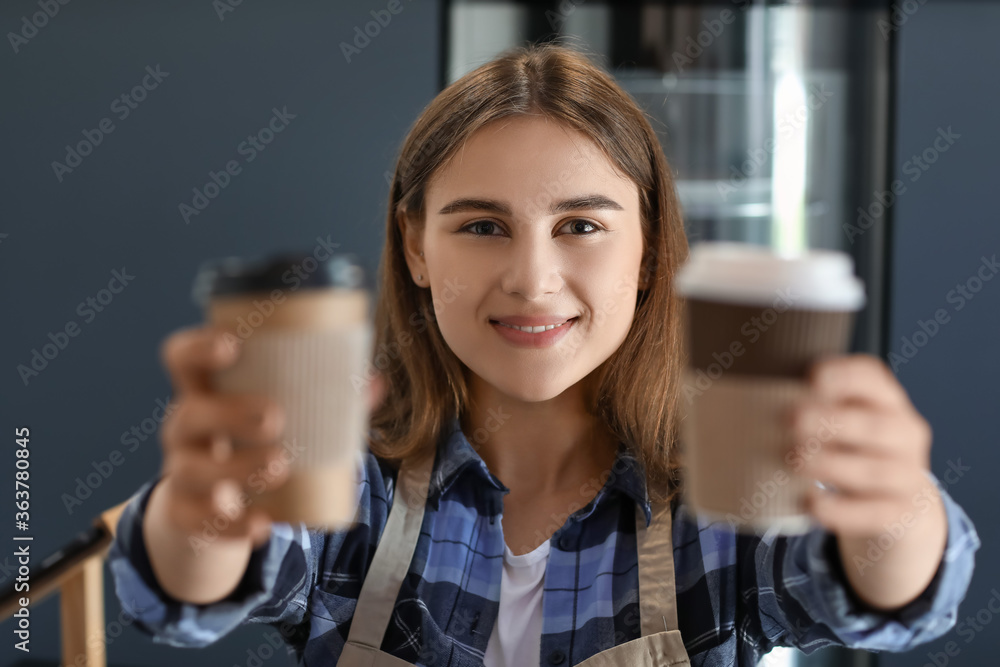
(457, 456)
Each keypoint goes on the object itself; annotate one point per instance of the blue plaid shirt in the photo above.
(738, 596)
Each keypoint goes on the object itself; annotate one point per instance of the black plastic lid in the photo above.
(235, 275)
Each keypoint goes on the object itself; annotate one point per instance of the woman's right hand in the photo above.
(205, 475)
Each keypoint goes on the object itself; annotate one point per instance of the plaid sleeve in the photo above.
(276, 587)
(805, 600)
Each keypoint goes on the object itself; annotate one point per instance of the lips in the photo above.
(534, 336)
(538, 329)
(532, 320)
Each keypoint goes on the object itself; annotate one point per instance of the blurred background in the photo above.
(867, 127)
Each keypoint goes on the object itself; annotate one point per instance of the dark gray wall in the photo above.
(945, 222)
(321, 176)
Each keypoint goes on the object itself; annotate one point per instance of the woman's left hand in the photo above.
(859, 433)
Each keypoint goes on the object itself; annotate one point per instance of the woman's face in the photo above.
(530, 220)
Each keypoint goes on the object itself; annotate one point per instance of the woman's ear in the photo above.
(413, 249)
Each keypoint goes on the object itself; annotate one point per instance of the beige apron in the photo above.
(657, 601)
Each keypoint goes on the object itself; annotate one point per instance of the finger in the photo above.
(852, 516)
(862, 378)
(191, 355)
(200, 474)
(199, 421)
(219, 515)
(854, 473)
(879, 431)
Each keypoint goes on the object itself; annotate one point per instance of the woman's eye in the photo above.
(480, 224)
(576, 226)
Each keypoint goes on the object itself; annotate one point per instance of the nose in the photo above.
(533, 267)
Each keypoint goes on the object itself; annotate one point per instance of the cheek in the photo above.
(454, 283)
(611, 299)
(613, 312)
(454, 300)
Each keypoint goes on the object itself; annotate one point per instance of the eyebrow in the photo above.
(585, 202)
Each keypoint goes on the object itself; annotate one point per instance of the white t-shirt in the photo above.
(517, 635)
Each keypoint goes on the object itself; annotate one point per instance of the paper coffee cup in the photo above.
(755, 320)
(306, 341)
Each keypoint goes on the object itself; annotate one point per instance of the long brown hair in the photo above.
(639, 385)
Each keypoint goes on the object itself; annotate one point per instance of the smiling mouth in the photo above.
(538, 329)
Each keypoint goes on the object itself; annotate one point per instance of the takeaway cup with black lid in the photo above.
(306, 343)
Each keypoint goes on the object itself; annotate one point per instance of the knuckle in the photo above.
(183, 422)
(180, 415)
(875, 426)
(175, 347)
(259, 418)
(186, 473)
(273, 422)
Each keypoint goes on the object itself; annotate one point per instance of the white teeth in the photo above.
(532, 329)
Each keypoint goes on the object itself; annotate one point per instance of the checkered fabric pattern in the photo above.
(738, 596)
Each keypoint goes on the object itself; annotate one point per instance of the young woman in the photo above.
(520, 500)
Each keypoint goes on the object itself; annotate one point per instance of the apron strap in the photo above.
(657, 596)
(393, 555)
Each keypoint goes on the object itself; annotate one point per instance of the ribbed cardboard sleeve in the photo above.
(310, 354)
(737, 452)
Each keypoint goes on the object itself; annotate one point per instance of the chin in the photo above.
(531, 389)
